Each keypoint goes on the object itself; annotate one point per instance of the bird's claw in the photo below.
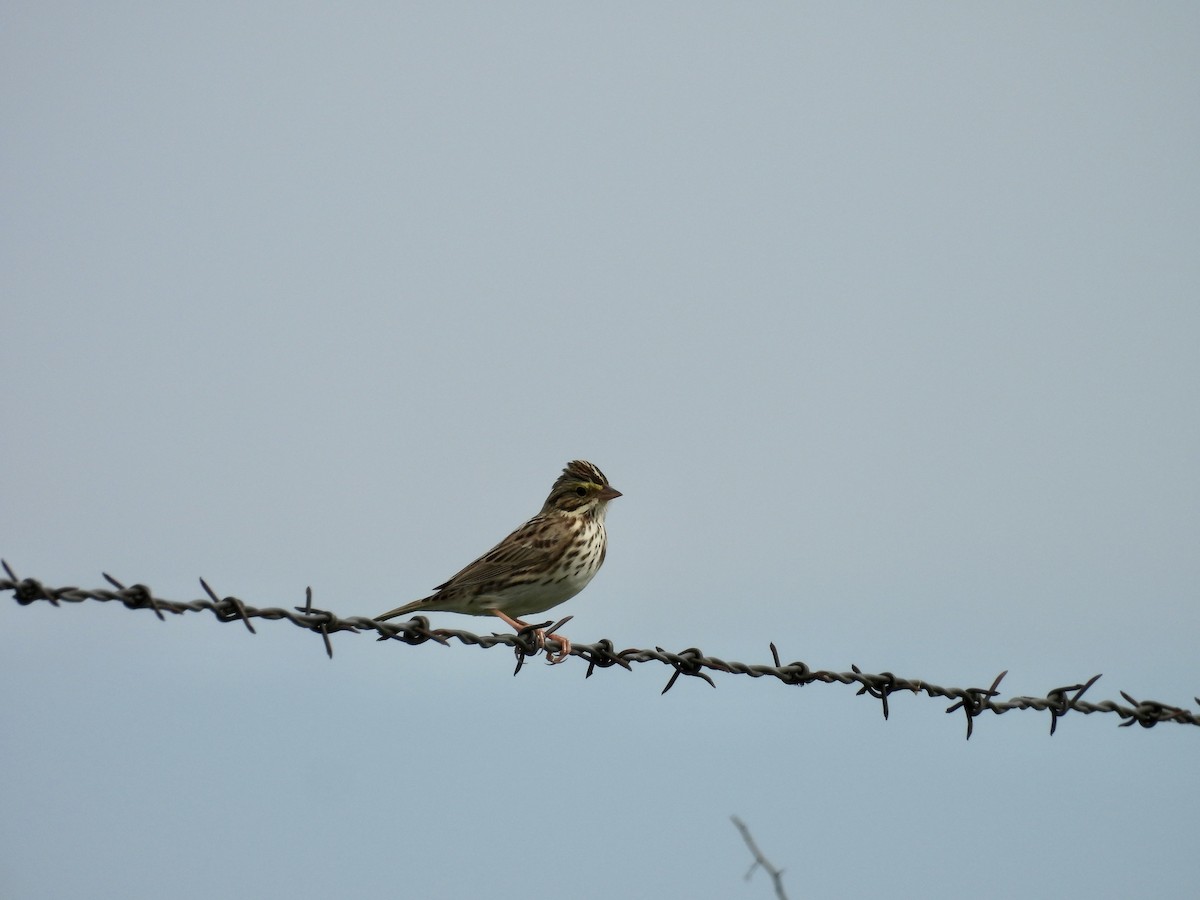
(539, 635)
(564, 650)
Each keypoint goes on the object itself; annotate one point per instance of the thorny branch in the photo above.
(603, 655)
(760, 860)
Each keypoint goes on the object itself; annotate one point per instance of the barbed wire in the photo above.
(692, 662)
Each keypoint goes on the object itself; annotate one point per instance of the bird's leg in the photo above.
(539, 636)
(517, 625)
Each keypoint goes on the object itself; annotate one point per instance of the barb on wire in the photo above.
(603, 654)
(760, 861)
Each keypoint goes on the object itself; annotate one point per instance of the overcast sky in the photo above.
(884, 318)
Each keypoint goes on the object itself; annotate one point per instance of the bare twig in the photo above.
(760, 860)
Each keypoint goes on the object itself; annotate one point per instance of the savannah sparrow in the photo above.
(545, 562)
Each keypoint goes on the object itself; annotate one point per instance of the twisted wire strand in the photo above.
(603, 654)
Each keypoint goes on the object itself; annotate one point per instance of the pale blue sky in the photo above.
(883, 318)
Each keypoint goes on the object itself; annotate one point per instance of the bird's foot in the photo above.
(564, 648)
(540, 635)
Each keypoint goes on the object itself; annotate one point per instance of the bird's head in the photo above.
(581, 489)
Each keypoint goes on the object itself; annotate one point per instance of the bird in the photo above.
(543, 563)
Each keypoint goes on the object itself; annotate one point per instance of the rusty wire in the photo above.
(603, 654)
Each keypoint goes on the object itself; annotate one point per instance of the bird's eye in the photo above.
(581, 491)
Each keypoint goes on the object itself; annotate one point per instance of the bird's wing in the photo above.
(532, 545)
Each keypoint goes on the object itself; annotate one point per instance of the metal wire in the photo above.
(691, 662)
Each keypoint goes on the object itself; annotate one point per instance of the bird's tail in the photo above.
(401, 610)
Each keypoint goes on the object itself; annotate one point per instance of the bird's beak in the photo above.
(608, 493)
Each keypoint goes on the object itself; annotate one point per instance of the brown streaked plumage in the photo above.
(545, 562)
